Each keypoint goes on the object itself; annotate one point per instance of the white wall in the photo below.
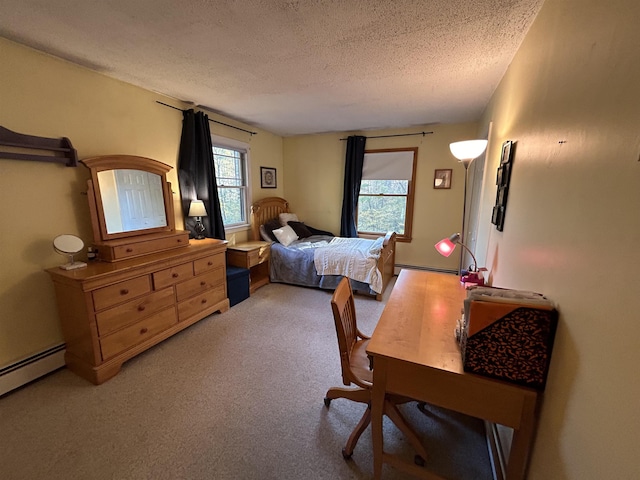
(571, 101)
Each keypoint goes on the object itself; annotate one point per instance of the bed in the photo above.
(296, 262)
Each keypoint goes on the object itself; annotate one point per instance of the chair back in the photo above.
(354, 368)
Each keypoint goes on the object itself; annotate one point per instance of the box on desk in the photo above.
(508, 335)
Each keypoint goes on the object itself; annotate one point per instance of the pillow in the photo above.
(270, 226)
(315, 231)
(376, 247)
(267, 237)
(301, 229)
(287, 217)
(285, 235)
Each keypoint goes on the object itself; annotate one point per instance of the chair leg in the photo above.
(359, 395)
(422, 406)
(364, 422)
(396, 417)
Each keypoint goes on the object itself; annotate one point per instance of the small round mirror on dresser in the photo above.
(69, 245)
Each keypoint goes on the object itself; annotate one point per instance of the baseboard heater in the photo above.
(398, 267)
(31, 368)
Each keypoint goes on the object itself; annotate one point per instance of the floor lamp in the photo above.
(466, 151)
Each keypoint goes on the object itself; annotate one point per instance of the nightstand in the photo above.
(253, 256)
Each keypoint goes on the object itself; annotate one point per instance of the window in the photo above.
(231, 164)
(385, 202)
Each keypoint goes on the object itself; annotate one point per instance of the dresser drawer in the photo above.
(136, 249)
(200, 302)
(120, 292)
(208, 263)
(138, 332)
(200, 284)
(172, 275)
(134, 310)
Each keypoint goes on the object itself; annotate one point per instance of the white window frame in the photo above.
(224, 142)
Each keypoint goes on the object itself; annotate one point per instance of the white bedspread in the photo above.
(355, 258)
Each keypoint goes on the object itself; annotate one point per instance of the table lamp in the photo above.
(446, 246)
(197, 210)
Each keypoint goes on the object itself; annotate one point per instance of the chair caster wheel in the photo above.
(327, 402)
(418, 460)
(345, 455)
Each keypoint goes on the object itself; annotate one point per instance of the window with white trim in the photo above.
(386, 195)
(232, 166)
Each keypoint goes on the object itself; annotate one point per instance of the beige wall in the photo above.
(572, 225)
(314, 175)
(44, 96)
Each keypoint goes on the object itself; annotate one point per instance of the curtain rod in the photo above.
(213, 121)
(397, 135)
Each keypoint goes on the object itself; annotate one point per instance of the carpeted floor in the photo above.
(235, 396)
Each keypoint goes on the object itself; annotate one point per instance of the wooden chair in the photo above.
(356, 370)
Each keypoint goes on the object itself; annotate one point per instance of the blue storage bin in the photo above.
(237, 284)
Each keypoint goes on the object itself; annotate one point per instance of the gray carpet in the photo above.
(235, 396)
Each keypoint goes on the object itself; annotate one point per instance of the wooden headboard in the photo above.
(264, 210)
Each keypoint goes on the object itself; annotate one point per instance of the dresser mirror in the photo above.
(131, 206)
(131, 200)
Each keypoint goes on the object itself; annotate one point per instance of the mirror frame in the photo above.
(129, 162)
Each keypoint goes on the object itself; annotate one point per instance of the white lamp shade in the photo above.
(197, 209)
(468, 149)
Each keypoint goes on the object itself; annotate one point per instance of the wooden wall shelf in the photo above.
(63, 151)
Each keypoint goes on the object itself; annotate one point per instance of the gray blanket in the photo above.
(294, 265)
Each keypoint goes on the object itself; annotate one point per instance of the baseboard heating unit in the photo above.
(31, 368)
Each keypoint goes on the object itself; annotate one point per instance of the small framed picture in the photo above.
(506, 152)
(442, 178)
(497, 216)
(268, 177)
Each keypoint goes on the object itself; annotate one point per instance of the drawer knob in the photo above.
(141, 308)
(209, 263)
(124, 291)
(202, 284)
(143, 330)
(129, 250)
(204, 300)
(175, 275)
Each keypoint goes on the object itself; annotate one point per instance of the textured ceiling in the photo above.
(291, 66)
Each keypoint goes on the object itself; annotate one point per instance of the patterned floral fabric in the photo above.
(516, 348)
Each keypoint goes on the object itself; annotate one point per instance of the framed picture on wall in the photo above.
(503, 178)
(506, 152)
(442, 178)
(268, 177)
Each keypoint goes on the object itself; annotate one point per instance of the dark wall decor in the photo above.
(268, 177)
(502, 181)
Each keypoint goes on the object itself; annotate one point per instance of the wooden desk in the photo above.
(415, 354)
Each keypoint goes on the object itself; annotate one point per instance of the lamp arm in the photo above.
(475, 262)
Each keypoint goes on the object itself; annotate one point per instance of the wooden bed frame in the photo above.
(269, 208)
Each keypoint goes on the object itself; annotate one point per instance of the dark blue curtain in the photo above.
(196, 173)
(352, 177)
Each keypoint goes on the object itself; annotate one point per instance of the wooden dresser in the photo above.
(111, 312)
